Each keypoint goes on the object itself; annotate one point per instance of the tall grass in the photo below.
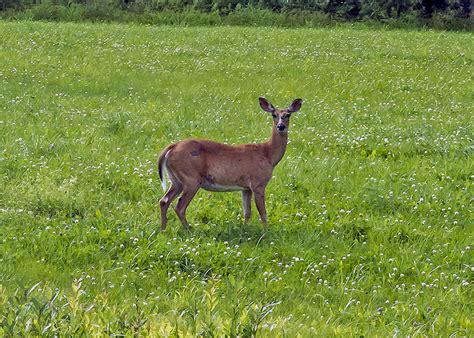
(370, 219)
(241, 16)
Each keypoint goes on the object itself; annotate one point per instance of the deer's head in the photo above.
(281, 117)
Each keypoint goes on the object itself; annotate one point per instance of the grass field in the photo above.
(370, 211)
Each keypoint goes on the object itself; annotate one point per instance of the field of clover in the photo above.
(370, 211)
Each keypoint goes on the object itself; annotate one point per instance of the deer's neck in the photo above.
(276, 146)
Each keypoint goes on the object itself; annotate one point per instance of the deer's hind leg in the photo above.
(189, 190)
(175, 189)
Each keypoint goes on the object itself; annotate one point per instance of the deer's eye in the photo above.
(274, 116)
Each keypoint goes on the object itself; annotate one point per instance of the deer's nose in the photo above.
(281, 126)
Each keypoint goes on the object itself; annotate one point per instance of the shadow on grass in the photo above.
(232, 232)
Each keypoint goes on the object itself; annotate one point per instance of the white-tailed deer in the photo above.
(193, 164)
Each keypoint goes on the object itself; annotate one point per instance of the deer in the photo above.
(192, 164)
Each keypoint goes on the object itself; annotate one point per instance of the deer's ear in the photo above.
(295, 105)
(266, 105)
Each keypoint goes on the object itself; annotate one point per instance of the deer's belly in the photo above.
(221, 188)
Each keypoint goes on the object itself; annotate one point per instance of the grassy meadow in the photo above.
(370, 211)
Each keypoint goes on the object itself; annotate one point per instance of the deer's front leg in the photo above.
(259, 194)
(246, 202)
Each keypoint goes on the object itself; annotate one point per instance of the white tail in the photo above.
(193, 164)
(163, 181)
(162, 169)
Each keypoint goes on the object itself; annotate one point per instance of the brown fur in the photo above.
(194, 164)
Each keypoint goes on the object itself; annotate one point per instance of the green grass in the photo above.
(370, 211)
